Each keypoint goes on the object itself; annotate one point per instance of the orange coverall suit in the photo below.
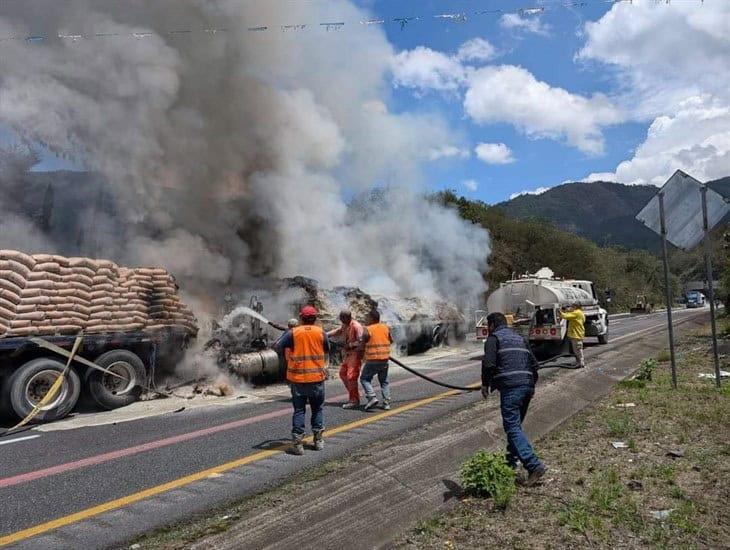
(350, 369)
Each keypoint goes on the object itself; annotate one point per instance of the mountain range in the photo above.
(603, 212)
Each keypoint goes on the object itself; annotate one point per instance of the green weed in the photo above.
(646, 369)
(488, 475)
(578, 516)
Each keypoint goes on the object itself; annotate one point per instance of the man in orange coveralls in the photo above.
(351, 331)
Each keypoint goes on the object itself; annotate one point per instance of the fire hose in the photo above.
(473, 388)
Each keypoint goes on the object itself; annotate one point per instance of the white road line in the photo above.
(17, 439)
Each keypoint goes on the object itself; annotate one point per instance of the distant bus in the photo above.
(695, 299)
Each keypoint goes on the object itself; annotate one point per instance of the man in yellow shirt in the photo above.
(576, 331)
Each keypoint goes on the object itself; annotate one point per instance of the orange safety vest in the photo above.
(377, 347)
(306, 362)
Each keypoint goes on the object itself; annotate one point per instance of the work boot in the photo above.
(318, 441)
(535, 475)
(372, 401)
(386, 404)
(297, 447)
(351, 405)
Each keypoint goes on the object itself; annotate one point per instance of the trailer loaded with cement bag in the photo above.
(131, 322)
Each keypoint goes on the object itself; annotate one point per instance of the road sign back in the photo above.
(683, 211)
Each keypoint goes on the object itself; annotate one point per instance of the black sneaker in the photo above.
(535, 475)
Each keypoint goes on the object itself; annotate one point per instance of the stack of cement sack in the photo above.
(46, 294)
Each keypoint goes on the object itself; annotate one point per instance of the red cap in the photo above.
(308, 311)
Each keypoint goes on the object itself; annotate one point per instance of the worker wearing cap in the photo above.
(576, 331)
(351, 331)
(306, 372)
(377, 340)
(510, 367)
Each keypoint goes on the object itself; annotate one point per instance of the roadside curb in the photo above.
(397, 482)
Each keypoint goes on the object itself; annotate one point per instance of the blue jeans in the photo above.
(513, 403)
(369, 371)
(301, 394)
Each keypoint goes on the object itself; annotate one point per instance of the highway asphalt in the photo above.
(98, 486)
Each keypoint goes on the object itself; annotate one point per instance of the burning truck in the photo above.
(242, 342)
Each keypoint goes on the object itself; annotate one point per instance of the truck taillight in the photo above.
(544, 331)
(553, 332)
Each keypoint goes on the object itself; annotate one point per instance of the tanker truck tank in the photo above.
(534, 302)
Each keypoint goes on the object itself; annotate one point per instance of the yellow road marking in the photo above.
(203, 474)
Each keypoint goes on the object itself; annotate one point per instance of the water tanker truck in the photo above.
(532, 303)
(130, 321)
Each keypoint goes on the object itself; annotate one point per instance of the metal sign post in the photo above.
(684, 217)
(710, 289)
(667, 288)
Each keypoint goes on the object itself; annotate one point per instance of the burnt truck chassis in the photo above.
(27, 370)
(248, 353)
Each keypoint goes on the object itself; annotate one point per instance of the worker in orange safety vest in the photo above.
(377, 340)
(351, 332)
(306, 372)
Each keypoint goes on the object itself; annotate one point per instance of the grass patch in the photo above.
(487, 475)
(603, 497)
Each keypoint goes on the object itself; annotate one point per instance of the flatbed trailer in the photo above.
(30, 365)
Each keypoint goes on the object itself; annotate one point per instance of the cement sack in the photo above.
(13, 277)
(48, 267)
(79, 282)
(19, 257)
(105, 287)
(44, 284)
(44, 276)
(17, 267)
(7, 304)
(9, 295)
(22, 332)
(10, 286)
(6, 314)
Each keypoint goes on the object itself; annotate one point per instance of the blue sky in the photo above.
(601, 77)
(538, 162)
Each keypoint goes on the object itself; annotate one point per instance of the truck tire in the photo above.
(29, 383)
(110, 392)
(603, 338)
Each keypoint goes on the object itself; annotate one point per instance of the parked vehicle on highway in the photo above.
(642, 305)
(534, 302)
(131, 322)
(696, 299)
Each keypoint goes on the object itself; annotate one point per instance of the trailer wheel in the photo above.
(29, 384)
(110, 392)
(603, 338)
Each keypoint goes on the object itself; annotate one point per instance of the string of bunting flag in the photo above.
(402, 22)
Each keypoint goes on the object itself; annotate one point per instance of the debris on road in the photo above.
(675, 453)
(661, 514)
(711, 375)
(619, 445)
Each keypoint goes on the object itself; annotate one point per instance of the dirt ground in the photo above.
(669, 487)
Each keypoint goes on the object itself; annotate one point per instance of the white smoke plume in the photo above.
(232, 157)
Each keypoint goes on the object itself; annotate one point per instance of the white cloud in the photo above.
(476, 49)
(671, 64)
(538, 191)
(494, 153)
(514, 21)
(696, 139)
(513, 95)
(471, 185)
(448, 151)
(425, 69)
